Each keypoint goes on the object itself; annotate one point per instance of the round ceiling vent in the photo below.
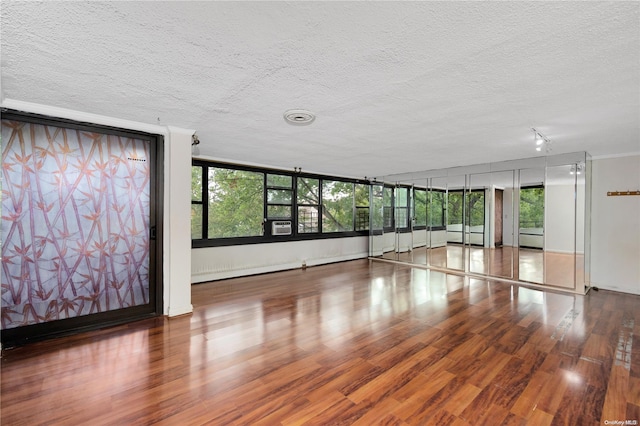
(299, 117)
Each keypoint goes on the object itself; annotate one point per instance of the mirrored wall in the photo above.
(524, 220)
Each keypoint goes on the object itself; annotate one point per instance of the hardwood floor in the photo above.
(358, 343)
(529, 265)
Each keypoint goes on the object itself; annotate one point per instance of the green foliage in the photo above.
(279, 181)
(476, 208)
(387, 202)
(362, 207)
(337, 206)
(436, 209)
(196, 183)
(196, 209)
(196, 221)
(531, 207)
(377, 205)
(236, 203)
(420, 207)
(454, 207)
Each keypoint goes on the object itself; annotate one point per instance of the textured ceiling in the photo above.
(396, 86)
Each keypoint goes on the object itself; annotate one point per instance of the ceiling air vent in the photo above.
(299, 117)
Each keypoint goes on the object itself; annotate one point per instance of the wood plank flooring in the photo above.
(359, 342)
(529, 265)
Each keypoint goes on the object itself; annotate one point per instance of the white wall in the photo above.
(615, 225)
(215, 263)
(177, 207)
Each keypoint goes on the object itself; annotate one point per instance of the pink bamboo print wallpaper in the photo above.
(75, 223)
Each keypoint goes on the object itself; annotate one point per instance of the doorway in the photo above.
(81, 229)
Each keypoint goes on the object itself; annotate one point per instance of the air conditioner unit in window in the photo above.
(281, 227)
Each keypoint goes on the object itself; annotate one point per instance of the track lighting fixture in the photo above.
(576, 169)
(541, 141)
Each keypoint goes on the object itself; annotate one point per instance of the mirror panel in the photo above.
(525, 220)
(457, 230)
(420, 208)
(530, 202)
(491, 250)
(560, 226)
(376, 221)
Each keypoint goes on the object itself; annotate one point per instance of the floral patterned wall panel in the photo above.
(75, 223)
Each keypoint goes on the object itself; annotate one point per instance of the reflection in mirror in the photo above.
(531, 225)
(580, 224)
(403, 238)
(445, 213)
(490, 222)
(456, 229)
(560, 225)
(419, 216)
(525, 219)
(376, 221)
(388, 227)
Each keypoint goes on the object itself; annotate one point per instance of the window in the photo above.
(377, 207)
(435, 216)
(475, 217)
(308, 201)
(196, 203)
(337, 206)
(279, 196)
(532, 207)
(238, 204)
(402, 208)
(454, 208)
(420, 208)
(362, 207)
(387, 208)
(235, 203)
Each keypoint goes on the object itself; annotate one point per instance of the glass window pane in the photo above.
(196, 183)
(308, 191)
(279, 196)
(377, 212)
(476, 208)
(401, 218)
(436, 209)
(387, 202)
(337, 206)
(362, 206)
(420, 205)
(531, 207)
(279, 212)
(362, 195)
(307, 219)
(454, 208)
(279, 181)
(401, 197)
(196, 221)
(236, 203)
(362, 218)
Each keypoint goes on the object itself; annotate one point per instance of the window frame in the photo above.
(414, 211)
(406, 226)
(266, 236)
